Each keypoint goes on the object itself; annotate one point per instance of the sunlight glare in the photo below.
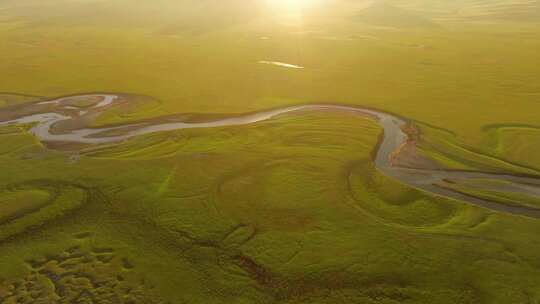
(291, 6)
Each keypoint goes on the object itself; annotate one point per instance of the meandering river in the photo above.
(392, 140)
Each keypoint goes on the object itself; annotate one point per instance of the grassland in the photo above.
(498, 153)
(495, 192)
(20, 201)
(289, 210)
(198, 65)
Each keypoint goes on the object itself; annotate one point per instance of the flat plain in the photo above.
(290, 209)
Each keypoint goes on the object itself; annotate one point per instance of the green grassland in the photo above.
(19, 202)
(498, 152)
(289, 210)
(513, 142)
(193, 58)
(510, 198)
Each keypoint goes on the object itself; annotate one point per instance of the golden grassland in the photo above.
(289, 210)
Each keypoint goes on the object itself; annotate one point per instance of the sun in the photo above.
(291, 6)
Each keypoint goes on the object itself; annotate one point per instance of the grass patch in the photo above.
(395, 203)
(35, 214)
(503, 197)
(21, 201)
(451, 152)
(513, 142)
